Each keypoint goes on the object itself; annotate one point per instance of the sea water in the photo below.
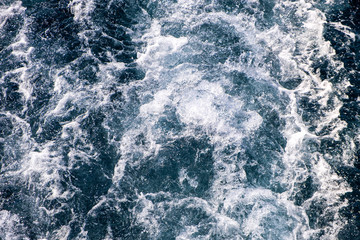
(179, 119)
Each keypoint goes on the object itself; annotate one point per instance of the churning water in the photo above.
(179, 119)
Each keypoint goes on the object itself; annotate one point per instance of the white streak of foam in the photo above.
(60, 107)
(345, 29)
(63, 232)
(19, 48)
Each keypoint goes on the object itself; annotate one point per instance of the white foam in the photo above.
(19, 48)
(11, 226)
(9, 11)
(156, 107)
(183, 175)
(206, 105)
(43, 168)
(82, 9)
(158, 49)
(63, 232)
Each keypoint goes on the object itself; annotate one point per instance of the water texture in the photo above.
(179, 119)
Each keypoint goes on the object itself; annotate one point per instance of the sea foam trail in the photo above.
(173, 120)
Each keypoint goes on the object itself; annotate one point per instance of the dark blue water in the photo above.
(187, 119)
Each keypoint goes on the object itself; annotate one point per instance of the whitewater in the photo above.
(179, 119)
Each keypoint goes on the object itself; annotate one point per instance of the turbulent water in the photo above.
(179, 119)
